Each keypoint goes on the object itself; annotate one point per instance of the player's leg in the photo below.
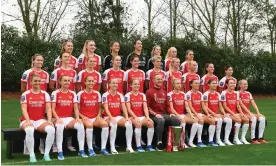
(158, 131)
(71, 123)
(149, 124)
(129, 132)
(245, 126)
(194, 123)
(211, 130)
(236, 118)
(29, 138)
(88, 124)
(218, 119)
(113, 131)
(44, 127)
(100, 123)
(137, 134)
(199, 130)
(59, 138)
(252, 125)
(261, 129)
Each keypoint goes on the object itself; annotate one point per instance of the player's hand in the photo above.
(158, 116)
(258, 115)
(210, 116)
(137, 120)
(148, 119)
(50, 123)
(78, 120)
(171, 115)
(99, 118)
(193, 118)
(84, 118)
(59, 121)
(28, 123)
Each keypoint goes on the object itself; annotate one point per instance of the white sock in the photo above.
(80, 135)
(199, 132)
(59, 136)
(89, 137)
(29, 139)
(193, 132)
(113, 131)
(50, 130)
(104, 137)
(218, 129)
(245, 127)
(129, 133)
(138, 136)
(211, 131)
(150, 133)
(183, 125)
(253, 122)
(69, 141)
(261, 127)
(236, 131)
(228, 128)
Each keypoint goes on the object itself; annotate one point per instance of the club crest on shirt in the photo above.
(23, 98)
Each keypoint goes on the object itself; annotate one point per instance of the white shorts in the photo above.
(36, 123)
(182, 116)
(117, 118)
(141, 118)
(66, 120)
(92, 120)
(200, 114)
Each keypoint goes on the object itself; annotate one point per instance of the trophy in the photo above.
(176, 138)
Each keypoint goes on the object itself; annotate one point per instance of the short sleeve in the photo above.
(47, 97)
(75, 77)
(54, 97)
(99, 78)
(75, 98)
(238, 96)
(99, 97)
(105, 75)
(148, 75)
(250, 96)
(126, 75)
(188, 97)
(221, 83)
(223, 97)
(167, 75)
(79, 97)
(47, 78)
(25, 76)
(79, 77)
(169, 95)
(144, 77)
(122, 98)
(80, 59)
(23, 99)
(127, 98)
(100, 60)
(104, 98)
(144, 97)
(54, 75)
(202, 80)
(181, 67)
(57, 62)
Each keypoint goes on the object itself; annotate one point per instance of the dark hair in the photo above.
(227, 81)
(206, 66)
(135, 41)
(112, 43)
(34, 57)
(133, 56)
(210, 81)
(227, 67)
(191, 82)
(187, 52)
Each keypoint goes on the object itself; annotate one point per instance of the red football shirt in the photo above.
(169, 78)
(204, 81)
(184, 67)
(213, 100)
(223, 80)
(130, 75)
(72, 63)
(82, 61)
(96, 75)
(36, 104)
(57, 73)
(44, 76)
(150, 76)
(178, 101)
(64, 103)
(231, 100)
(157, 100)
(119, 75)
(89, 103)
(186, 78)
(114, 103)
(245, 97)
(196, 99)
(136, 103)
(167, 64)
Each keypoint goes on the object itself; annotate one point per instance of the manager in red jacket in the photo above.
(159, 109)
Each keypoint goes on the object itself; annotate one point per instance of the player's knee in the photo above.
(150, 124)
(128, 125)
(79, 127)
(50, 130)
(103, 123)
(262, 118)
(60, 127)
(29, 131)
(138, 125)
(89, 125)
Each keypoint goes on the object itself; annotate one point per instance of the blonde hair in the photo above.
(33, 76)
(174, 80)
(63, 44)
(153, 49)
(169, 52)
(84, 50)
(156, 57)
(240, 82)
(171, 65)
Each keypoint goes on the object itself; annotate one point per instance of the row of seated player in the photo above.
(83, 112)
(124, 78)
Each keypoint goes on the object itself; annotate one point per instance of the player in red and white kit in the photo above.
(184, 67)
(64, 70)
(67, 47)
(211, 100)
(136, 104)
(194, 99)
(89, 51)
(191, 75)
(89, 102)
(209, 69)
(228, 76)
(114, 72)
(180, 108)
(114, 104)
(134, 73)
(89, 71)
(156, 60)
(34, 104)
(37, 63)
(231, 104)
(246, 98)
(64, 107)
(172, 53)
(173, 73)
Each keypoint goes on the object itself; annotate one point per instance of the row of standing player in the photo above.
(86, 106)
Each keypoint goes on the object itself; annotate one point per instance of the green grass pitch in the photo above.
(234, 155)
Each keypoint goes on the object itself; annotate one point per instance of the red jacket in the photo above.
(157, 100)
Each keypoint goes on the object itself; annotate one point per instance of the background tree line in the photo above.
(222, 32)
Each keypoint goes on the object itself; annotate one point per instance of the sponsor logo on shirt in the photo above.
(52, 97)
(221, 84)
(104, 99)
(188, 97)
(24, 77)
(205, 97)
(222, 97)
(23, 98)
